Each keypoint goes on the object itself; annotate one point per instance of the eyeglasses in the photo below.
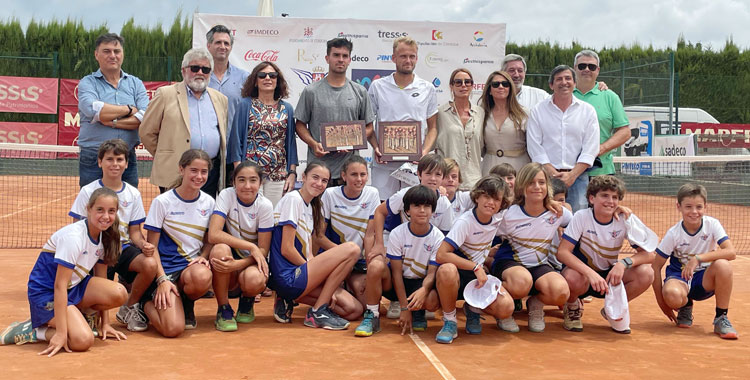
(504, 83)
(196, 68)
(272, 75)
(583, 66)
(463, 82)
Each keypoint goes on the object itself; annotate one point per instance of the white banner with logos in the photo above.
(674, 146)
(298, 47)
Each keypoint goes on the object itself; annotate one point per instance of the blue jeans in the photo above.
(577, 193)
(89, 170)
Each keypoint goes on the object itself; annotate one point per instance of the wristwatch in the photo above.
(130, 110)
(628, 262)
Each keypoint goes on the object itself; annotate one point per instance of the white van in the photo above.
(661, 117)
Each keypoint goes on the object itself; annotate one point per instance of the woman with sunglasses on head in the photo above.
(264, 130)
(504, 124)
(459, 126)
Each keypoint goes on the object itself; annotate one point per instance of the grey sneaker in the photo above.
(325, 318)
(685, 317)
(508, 324)
(133, 317)
(572, 317)
(93, 321)
(394, 310)
(724, 328)
(536, 314)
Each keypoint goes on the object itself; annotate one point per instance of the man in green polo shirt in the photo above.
(613, 123)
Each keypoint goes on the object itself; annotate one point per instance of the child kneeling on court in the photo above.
(462, 254)
(176, 223)
(297, 274)
(136, 265)
(697, 268)
(240, 230)
(61, 290)
(412, 247)
(390, 214)
(590, 247)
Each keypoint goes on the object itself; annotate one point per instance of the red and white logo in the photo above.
(268, 55)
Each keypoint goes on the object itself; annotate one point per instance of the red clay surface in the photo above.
(265, 349)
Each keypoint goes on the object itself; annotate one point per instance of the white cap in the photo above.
(616, 308)
(640, 235)
(484, 296)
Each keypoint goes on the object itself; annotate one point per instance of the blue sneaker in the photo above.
(282, 310)
(473, 323)
(418, 320)
(447, 333)
(370, 325)
(18, 333)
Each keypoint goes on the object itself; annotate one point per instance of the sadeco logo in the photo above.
(366, 76)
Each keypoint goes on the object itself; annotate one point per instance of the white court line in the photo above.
(432, 358)
(743, 257)
(33, 207)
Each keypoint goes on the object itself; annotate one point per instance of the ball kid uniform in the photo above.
(347, 218)
(471, 239)
(130, 212)
(528, 241)
(598, 245)
(73, 248)
(182, 224)
(242, 220)
(460, 203)
(416, 253)
(288, 279)
(441, 218)
(679, 247)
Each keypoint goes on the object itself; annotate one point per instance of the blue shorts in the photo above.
(289, 283)
(42, 303)
(696, 292)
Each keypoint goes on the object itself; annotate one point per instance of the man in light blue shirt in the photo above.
(111, 104)
(225, 77)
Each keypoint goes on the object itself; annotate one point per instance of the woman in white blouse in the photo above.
(504, 124)
(459, 126)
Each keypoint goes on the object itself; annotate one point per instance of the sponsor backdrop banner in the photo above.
(28, 133)
(713, 135)
(298, 47)
(28, 95)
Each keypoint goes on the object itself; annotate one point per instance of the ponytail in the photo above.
(316, 203)
(110, 239)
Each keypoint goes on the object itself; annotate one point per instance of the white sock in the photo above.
(375, 309)
(41, 333)
(450, 316)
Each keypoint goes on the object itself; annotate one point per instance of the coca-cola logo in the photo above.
(268, 55)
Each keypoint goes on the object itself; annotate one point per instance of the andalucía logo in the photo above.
(268, 55)
(365, 77)
(478, 39)
(307, 77)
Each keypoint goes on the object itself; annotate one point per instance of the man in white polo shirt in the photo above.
(398, 97)
(563, 135)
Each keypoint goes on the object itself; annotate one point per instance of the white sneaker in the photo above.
(508, 324)
(133, 317)
(394, 311)
(429, 314)
(536, 314)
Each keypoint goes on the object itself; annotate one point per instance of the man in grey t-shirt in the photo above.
(334, 98)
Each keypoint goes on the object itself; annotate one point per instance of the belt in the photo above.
(563, 170)
(509, 153)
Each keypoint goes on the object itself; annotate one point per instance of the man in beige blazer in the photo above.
(187, 115)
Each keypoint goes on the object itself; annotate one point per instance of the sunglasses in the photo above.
(583, 66)
(272, 75)
(504, 83)
(196, 68)
(463, 82)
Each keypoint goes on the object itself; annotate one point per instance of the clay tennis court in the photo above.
(266, 349)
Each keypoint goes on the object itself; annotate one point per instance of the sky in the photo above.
(591, 23)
